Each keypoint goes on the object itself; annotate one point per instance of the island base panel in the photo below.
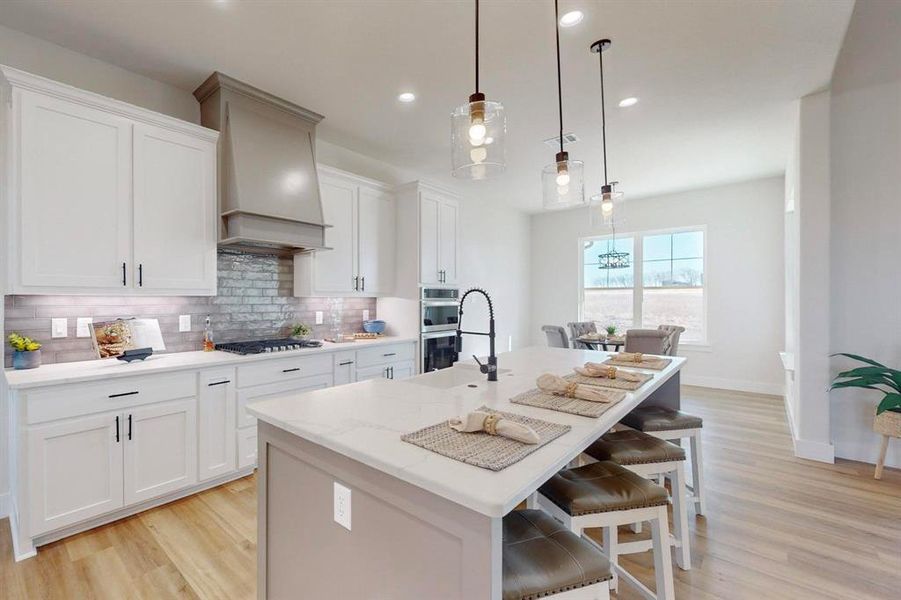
(404, 542)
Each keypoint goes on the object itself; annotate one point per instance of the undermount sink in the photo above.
(455, 376)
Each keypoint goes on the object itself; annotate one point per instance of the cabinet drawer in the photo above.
(262, 392)
(64, 401)
(283, 369)
(384, 354)
(247, 447)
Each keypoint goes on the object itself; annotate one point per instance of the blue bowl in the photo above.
(374, 326)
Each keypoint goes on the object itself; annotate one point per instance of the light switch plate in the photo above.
(59, 328)
(342, 506)
(184, 323)
(319, 317)
(365, 315)
(83, 327)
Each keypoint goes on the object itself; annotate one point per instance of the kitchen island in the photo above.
(421, 525)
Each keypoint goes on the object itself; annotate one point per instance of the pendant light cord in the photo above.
(477, 46)
(559, 81)
(603, 113)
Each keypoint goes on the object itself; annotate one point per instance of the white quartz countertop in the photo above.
(91, 370)
(365, 420)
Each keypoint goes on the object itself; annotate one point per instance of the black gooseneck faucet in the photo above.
(491, 368)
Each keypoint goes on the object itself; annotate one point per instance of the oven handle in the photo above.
(430, 335)
(428, 303)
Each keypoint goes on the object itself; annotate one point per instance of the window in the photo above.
(664, 284)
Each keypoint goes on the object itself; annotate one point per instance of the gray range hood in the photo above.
(268, 188)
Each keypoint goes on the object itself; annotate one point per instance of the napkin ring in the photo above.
(611, 372)
(637, 357)
(570, 390)
(490, 424)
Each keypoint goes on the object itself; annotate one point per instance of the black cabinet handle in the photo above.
(392, 372)
(140, 275)
(356, 283)
(129, 427)
(219, 383)
(123, 394)
(362, 284)
(123, 274)
(290, 370)
(390, 354)
(344, 364)
(117, 429)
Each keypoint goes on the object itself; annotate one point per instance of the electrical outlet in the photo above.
(319, 317)
(83, 327)
(365, 315)
(59, 328)
(342, 506)
(184, 322)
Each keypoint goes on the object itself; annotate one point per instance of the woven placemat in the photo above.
(573, 406)
(656, 363)
(616, 384)
(481, 449)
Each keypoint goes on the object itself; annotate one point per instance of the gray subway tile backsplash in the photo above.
(254, 301)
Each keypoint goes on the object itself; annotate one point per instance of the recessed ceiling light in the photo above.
(407, 97)
(631, 101)
(573, 17)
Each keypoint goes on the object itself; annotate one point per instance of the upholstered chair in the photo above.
(646, 341)
(579, 329)
(674, 331)
(556, 336)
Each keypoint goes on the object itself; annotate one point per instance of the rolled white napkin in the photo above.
(494, 424)
(605, 371)
(561, 387)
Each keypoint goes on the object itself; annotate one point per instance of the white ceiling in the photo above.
(716, 78)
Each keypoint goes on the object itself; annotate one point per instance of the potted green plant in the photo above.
(301, 331)
(876, 376)
(611, 329)
(26, 352)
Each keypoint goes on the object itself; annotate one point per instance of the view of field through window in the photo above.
(671, 283)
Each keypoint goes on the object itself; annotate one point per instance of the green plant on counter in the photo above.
(301, 330)
(870, 378)
(23, 344)
(611, 329)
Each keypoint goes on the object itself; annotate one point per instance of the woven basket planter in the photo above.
(888, 423)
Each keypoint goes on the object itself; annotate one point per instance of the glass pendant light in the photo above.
(562, 181)
(478, 129)
(606, 208)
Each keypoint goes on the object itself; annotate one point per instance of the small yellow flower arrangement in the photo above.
(23, 344)
(27, 353)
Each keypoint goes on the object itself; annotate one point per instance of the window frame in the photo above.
(638, 286)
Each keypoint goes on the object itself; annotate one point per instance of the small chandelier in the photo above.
(605, 209)
(613, 259)
(478, 129)
(562, 181)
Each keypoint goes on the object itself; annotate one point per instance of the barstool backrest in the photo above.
(556, 336)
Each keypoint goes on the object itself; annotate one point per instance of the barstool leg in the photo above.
(663, 567)
(680, 518)
(611, 537)
(697, 474)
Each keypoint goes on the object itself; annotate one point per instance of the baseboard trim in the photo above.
(811, 450)
(737, 385)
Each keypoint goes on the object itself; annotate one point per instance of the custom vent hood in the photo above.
(268, 188)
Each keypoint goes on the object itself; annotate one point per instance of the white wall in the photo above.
(744, 276)
(866, 215)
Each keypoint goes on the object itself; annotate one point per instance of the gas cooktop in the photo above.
(262, 346)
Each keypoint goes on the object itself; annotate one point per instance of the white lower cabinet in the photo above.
(74, 470)
(160, 449)
(247, 447)
(393, 370)
(216, 410)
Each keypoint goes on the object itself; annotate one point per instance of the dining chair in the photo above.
(578, 329)
(672, 343)
(646, 341)
(556, 336)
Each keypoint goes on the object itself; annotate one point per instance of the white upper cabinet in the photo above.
(105, 197)
(438, 237)
(174, 233)
(74, 227)
(360, 261)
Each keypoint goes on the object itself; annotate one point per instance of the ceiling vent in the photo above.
(568, 138)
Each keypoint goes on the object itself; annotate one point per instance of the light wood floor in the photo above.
(778, 528)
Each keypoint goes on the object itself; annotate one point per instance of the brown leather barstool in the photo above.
(650, 457)
(543, 558)
(674, 425)
(607, 495)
